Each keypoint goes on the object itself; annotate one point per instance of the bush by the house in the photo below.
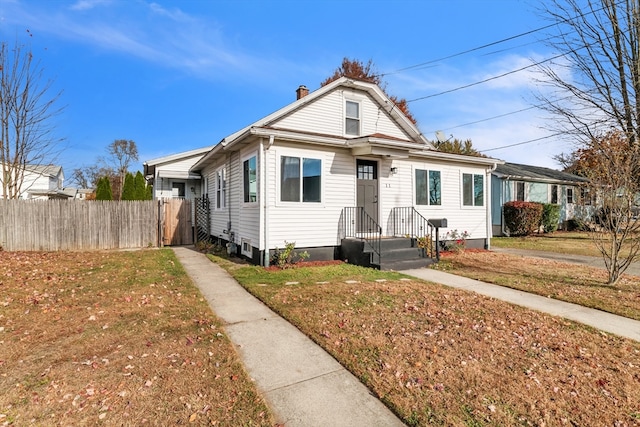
(522, 218)
(288, 256)
(550, 217)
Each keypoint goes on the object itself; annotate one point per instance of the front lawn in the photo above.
(441, 356)
(578, 243)
(563, 281)
(115, 338)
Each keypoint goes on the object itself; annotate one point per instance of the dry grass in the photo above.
(565, 242)
(439, 356)
(567, 282)
(115, 338)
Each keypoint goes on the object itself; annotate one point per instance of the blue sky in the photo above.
(179, 75)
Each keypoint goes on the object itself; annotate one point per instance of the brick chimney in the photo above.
(302, 91)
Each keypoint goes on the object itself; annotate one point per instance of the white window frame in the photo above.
(573, 196)
(415, 187)
(243, 160)
(358, 119)
(302, 157)
(221, 190)
(473, 181)
(246, 243)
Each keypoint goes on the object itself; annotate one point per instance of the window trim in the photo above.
(473, 195)
(358, 119)
(220, 202)
(428, 195)
(246, 158)
(246, 242)
(572, 197)
(301, 156)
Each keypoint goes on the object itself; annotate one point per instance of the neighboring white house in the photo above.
(170, 175)
(42, 182)
(293, 175)
(511, 182)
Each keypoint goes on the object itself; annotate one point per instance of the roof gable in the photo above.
(321, 112)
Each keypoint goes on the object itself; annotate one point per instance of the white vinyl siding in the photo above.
(310, 224)
(326, 116)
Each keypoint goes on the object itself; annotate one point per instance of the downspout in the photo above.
(487, 244)
(265, 198)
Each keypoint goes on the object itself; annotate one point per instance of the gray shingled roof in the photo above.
(535, 173)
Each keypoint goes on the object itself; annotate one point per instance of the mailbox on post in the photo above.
(438, 223)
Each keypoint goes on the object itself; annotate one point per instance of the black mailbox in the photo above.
(438, 222)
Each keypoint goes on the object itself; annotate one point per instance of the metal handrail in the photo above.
(359, 224)
(407, 221)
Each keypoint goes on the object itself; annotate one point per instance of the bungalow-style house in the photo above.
(170, 176)
(511, 181)
(42, 182)
(338, 171)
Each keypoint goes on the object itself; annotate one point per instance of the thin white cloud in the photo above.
(88, 4)
(168, 37)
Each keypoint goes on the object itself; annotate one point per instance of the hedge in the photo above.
(522, 218)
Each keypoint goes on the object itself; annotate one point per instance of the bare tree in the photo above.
(121, 153)
(355, 69)
(26, 113)
(612, 164)
(595, 86)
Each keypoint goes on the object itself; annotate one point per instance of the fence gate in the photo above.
(177, 222)
(203, 219)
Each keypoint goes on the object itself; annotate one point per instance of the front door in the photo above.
(367, 188)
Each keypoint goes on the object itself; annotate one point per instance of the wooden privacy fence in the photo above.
(49, 225)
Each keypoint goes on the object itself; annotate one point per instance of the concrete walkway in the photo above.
(302, 384)
(606, 322)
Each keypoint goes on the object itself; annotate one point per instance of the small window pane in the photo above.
(478, 190)
(250, 180)
(353, 110)
(467, 189)
(289, 179)
(435, 193)
(311, 181)
(554, 194)
(421, 187)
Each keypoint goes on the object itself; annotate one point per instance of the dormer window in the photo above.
(352, 118)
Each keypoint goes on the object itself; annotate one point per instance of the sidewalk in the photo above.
(301, 383)
(606, 322)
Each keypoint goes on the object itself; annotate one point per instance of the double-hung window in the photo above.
(569, 195)
(472, 189)
(221, 189)
(300, 179)
(428, 187)
(352, 118)
(250, 179)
